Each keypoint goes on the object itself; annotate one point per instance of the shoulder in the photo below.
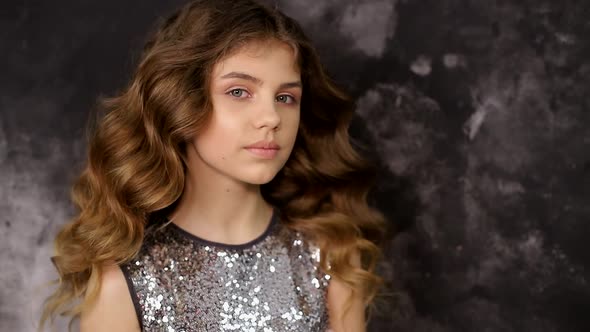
(344, 316)
(113, 308)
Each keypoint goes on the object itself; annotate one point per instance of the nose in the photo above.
(267, 114)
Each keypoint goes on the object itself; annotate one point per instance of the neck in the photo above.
(220, 208)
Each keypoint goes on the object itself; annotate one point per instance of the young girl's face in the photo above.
(256, 95)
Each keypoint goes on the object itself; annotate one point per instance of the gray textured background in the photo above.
(478, 112)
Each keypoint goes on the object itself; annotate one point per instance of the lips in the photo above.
(264, 149)
(269, 145)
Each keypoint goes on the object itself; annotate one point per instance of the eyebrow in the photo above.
(258, 81)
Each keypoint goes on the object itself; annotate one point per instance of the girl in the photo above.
(221, 192)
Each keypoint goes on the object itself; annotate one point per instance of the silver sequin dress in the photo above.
(180, 282)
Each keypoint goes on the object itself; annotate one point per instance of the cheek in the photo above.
(292, 121)
(218, 137)
(226, 116)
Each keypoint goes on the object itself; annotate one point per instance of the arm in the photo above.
(338, 292)
(113, 310)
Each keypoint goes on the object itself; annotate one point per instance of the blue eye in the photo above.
(293, 101)
(237, 95)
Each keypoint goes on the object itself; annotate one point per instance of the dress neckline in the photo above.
(202, 241)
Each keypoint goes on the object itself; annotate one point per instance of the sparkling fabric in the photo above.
(181, 283)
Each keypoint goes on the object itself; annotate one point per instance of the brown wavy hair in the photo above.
(136, 158)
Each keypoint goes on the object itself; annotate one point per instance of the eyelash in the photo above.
(240, 89)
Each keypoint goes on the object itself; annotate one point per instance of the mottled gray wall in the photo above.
(477, 111)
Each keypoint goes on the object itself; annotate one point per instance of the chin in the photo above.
(260, 178)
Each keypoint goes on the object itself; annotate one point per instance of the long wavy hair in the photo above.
(136, 158)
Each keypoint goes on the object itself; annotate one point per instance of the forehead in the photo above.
(261, 59)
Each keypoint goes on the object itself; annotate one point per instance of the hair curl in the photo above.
(136, 158)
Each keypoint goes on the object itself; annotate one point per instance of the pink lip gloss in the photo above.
(264, 153)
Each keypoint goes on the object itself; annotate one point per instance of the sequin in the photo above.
(182, 283)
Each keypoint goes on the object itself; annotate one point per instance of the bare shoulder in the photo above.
(341, 320)
(113, 310)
